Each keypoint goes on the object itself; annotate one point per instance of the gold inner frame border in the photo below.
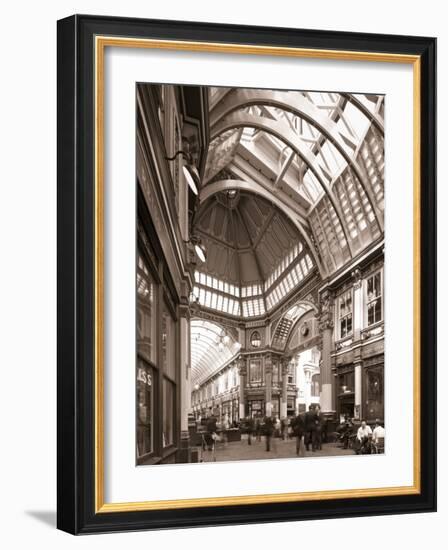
(100, 44)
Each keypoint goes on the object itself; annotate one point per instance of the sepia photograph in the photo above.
(260, 274)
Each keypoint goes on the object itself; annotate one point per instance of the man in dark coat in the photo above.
(309, 426)
(268, 431)
(317, 431)
(211, 430)
(298, 429)
(250, 424)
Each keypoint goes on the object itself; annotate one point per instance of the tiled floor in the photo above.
(240, 450)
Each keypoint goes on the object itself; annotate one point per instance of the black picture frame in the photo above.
(76, 254)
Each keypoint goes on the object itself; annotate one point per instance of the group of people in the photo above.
(307, 426)
(361, 437)
(256, 426)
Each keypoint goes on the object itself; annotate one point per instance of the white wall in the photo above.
(28, 268)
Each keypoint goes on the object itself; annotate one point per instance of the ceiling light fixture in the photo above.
(199, 248)
(192, 176)
(190, 171)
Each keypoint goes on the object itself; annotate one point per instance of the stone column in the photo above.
(284, 398)
(184, 383)
(357, 304)
(326, 330)
(358, 389)
(357, 327)
(242, 368)
(268, 384)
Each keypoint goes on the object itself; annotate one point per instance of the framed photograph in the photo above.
(246, 274)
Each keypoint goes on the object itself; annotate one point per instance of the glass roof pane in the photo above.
(211, 348)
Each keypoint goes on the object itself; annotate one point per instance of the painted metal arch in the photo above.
(240, 98)
(224, 185)
(287, 136)
(223, 114)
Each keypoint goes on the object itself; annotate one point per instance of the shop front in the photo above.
(374, 392)
(256, 406)
(345, 392)
(145, 409)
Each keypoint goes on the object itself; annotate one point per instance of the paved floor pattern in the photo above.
(240, 450)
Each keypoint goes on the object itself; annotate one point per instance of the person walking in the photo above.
(258, 428)
(309, 426)
(250, 429)
(268, 431)
(211, 427)
(317, 431)
(284, 429)
(298, 430)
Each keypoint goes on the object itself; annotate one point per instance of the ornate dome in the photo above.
(246, 237)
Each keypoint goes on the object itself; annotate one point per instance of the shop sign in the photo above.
(144, 376)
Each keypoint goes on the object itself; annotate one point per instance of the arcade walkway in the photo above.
(240, 450)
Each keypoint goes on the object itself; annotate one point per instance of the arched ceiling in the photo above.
(245, 235)
(211, 348)
(287, 321)
(292, 181)
(320, 154)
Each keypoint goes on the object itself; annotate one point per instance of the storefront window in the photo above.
(375, 393)
(145, 409)
(146, 311)
(256, 407)
(168, 344)
(346, 383)
(345, 313)
(168, 412)
(374, 299)
(275, 411)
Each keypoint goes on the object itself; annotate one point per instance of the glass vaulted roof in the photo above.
(293, 184)
(255, 255)
(211, 348)
(318, 156)
(327, 126)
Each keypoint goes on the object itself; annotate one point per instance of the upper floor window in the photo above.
(255, 374)
(345, 314)
(275, 374)
(291, 373)
(146, 311)
(235, 377)
(374, 299)
(315, 389)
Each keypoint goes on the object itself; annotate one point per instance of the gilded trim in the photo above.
(417, 273)
(101, 42)
(99, 277)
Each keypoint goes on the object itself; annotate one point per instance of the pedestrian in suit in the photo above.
(258, 428)
(317, 431)
(298, 428)
(250, 429)
(309, 426)
(268, 431)
(211, 431)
